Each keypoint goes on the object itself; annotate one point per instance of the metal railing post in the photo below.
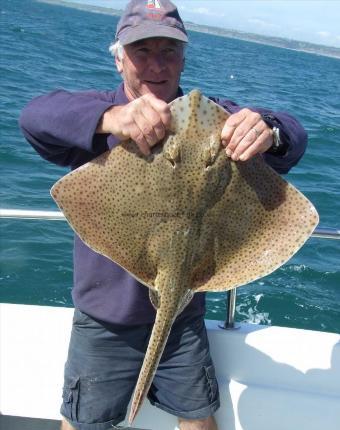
(229, 323)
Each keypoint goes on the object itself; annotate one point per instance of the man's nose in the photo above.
(157, 63)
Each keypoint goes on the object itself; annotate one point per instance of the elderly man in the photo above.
(113, 315)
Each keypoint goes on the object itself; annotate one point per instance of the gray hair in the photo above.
(117, 49)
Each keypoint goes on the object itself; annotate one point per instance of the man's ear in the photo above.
(119, 64)
(183, 65)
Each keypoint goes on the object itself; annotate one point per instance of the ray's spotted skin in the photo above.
(186, 218)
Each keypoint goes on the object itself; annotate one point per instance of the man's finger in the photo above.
(161, 107)
(141, 142)
(154, 127)
(241, 147)
(152, 117)
(244, 140)
(230, 126)
(150, 125)
(245, 129)
(261, 145)
(248, 148)
(146, 129)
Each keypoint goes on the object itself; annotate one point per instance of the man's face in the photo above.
(152, 66)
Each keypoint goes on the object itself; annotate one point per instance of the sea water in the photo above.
(46, 46)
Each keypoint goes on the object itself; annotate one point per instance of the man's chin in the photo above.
(161, 91)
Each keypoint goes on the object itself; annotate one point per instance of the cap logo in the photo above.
(153, 4)
(143, 19)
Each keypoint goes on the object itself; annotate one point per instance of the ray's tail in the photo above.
(159, 335)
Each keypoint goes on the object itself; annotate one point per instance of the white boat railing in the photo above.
(32, 214)
(319, 232)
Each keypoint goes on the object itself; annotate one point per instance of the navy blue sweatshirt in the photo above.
(61, 127)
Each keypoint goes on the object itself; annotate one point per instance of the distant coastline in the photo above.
(280, 42)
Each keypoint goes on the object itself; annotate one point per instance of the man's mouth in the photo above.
(155, 82)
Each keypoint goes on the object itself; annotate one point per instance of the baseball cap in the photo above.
(143, 19)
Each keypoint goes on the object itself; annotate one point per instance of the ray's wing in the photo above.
(110, 202)
(258, 224)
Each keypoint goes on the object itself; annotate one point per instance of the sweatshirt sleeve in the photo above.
(61, 125)
(292, 134)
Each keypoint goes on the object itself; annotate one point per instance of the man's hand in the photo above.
(246, 134)
(144, 120)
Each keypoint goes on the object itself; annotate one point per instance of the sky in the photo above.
(313, 21)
